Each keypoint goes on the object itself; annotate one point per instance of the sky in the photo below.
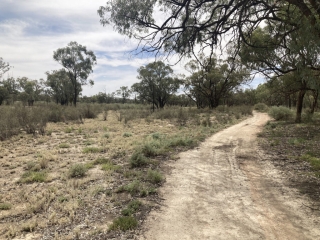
(31, 30)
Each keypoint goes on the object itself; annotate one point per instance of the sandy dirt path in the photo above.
(226, 189)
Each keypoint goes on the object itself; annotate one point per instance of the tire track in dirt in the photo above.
(225, 190)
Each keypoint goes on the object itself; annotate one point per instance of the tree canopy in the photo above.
(179, 26)
(61, 86)
(157, 83)
(4, 67)
(78, 62)
(212, 80)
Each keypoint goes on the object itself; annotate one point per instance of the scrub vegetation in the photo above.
(98, 176)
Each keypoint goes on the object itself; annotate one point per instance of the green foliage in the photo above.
(157, 83)
(314, 161)
(261, 107)
(92, 150)
(127, 134)
(90, 110)
(68, 130)
(124, 223)
(138, 160)
(101, 160)
(64, 145)
(280, 113)
(110, 167)
(181, 141)
(154, 177)
(33, 176)
(5, 206)
(133, 188)
(78, 62)
(77, 171)
(151, 148)
(211, 80)
(132, 207)
(61, 86)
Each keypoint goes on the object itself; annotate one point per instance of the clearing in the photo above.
(226, 189)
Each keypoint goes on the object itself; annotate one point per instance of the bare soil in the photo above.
(229, 189)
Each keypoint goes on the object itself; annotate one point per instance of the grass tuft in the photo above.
(32, 176)
(92, 150)
(5, 206)
(77, 171)
(154, 176)
(124, 223)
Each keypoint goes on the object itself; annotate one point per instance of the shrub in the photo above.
(261, 107)
(132, 207)
(89, 110)
(101, 161)
(133, 188)
(150, 149)
(32, 176)
(92, 150)
(110, 167)
(245, 110)
(138, 160)
(77, 171)
(156, 135)
(124, 223)
(9, 124)
(154, 177)
(32, 120)
(182, 117)
(64, 145)
(280, 113)
(180, 141)
(222, 108)
(127, 134)
(314, 161)
(5, 206)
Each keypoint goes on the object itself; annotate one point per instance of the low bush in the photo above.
(150, 149)
(92, 150)
(314, 161)
(281, 113)
(33, 176)
(154, 176)
(138, 160)
(261, 107)
(5, 206)
(126, 134)
(101, 160)
(133, 188)
(77, 171)
(124, 223)
(132, 207)
(89, 110)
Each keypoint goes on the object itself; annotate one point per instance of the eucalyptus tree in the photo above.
(9, 90)
(61, 86)
(173, 26)
(124, 92)
(294, 56)
(30, 90)
(157, 84)
(212, 80)
(4, 67)
(78, 62)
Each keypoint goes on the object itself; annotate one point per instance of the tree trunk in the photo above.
(299, 105)
(315, 101)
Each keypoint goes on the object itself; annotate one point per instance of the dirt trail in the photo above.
(226, 190)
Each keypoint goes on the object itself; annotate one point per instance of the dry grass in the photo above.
(40, 194)
(295, 149)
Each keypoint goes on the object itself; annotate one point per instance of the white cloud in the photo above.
(31, 30)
